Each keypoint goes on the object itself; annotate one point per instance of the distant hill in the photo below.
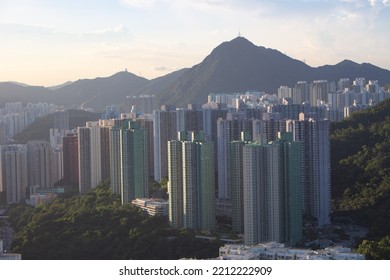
(100, 92)
(60, 86)
(12, 92)
(39, 130)
(352, 70)
(239, 65)
(234, 66)
(19, 84)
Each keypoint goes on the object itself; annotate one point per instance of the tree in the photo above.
(376, 250)
(96, 225)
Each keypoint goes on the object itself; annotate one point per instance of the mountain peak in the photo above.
(237, 43)
(241, 40)
(126, 75)
(346, 62)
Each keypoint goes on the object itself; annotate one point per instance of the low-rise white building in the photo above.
(153, 206)
(278, 251)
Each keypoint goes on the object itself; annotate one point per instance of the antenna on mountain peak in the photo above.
(239, 33)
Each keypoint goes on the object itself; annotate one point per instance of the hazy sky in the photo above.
(48, 42)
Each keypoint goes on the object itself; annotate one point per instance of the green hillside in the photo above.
(97, 226)
(39, 130)
(360, 152)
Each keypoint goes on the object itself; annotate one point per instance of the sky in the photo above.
(46, 42)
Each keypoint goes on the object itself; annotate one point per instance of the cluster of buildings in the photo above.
(35, 164)
(14, 117)
(262, 160)
(339, 99)
(332, 100)
(265, 174)
(278, 251)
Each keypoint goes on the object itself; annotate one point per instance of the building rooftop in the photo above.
(278, 251)
(153, 206)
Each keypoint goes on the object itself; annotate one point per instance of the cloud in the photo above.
(25, 28)
(379, 3)
(226, 5)
(377, 6)
(366, 3)
(213, 3)
(356, 3)
(373, 3)
(34, 35)
(140, 4)
(119, 29)
(116, 33)
(163, 68)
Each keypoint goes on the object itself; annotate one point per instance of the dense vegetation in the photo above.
(97, 226)
(376, 250)
(360, 148)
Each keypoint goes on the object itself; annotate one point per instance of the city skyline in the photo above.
(273, 152)
(51, 42)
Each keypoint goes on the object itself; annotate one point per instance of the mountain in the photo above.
(352, 70)
(234, 66)
(60, 86)
(93, 93)
(11, 92)
(239, 65)
(100, 92)
(19, 84)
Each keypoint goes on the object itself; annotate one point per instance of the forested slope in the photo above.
(97, 226)
(360, 152)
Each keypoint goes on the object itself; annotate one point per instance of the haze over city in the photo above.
(51, 42)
